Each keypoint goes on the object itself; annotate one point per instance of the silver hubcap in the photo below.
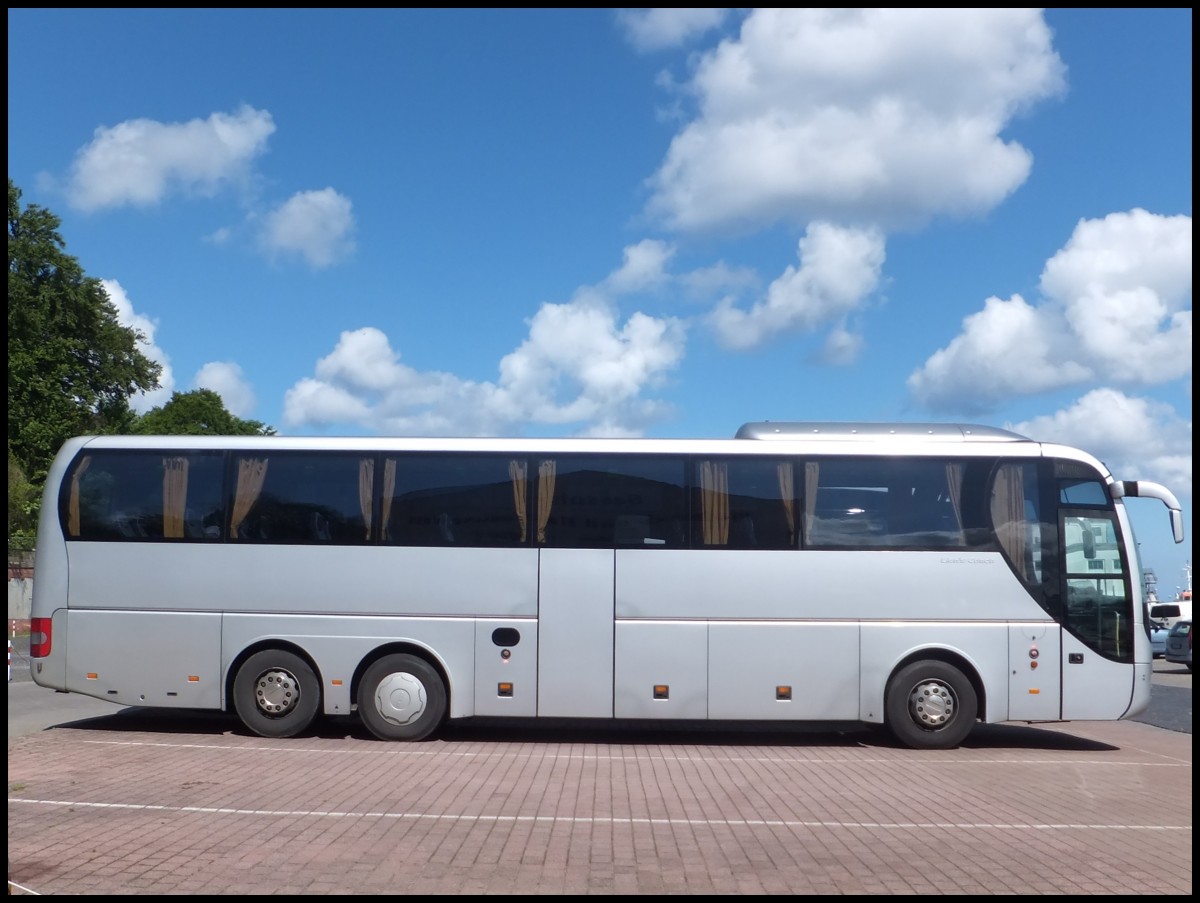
(931, 704)
(400, 698)
(276, 692)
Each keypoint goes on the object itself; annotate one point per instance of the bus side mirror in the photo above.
(1089, 544)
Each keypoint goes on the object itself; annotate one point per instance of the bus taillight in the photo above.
(39, 637)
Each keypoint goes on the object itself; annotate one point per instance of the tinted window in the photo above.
(301, 497)
(144, 495)
(464, 500)
(892, 503)
(1082, 492)
(603, 502)
(1018, 521)
(744, 503)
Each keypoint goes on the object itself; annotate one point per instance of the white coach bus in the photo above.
(922, 576)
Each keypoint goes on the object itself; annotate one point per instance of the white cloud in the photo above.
(839, 268)
(1137, 438)
(1118, 306)
(842, 347)
(141, 402)
(714, 280)
(227, 380)
(884, 116)
(140, 161)
(580, 366)
(657, 28)
(317, 403)
(644, 267)
(318, 225)
(1124, 284)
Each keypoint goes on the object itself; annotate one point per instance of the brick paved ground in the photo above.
(144, 805)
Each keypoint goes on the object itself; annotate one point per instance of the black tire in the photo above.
(930, 705)
(276, 693)
(401, 697)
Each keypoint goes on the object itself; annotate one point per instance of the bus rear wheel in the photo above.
(930, 705)
(276, 693)
(401, 697)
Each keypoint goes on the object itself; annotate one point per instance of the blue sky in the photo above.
(638, 222)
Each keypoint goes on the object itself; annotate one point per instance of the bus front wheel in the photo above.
(930, 705)
(276, 693)
(401, 697)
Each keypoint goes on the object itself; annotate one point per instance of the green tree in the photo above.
(23, 499)
(72, 366)
(197, 413)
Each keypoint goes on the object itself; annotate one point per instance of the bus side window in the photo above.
(744, 504)
(593, 502)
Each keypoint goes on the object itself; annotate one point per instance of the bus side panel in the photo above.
(517, 670)
(1096, 689)
(661, 670)
(783, 671)
(1035, 675)
(148, 658)
(778, 585)
(337, 644)
(575, 633)
(312, 579)
(984, 646)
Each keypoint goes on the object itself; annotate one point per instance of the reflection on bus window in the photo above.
(455, 500)
(587, 502)
(140, 495)
(891, 503)
(744, 504)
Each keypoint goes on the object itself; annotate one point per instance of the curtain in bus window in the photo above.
(252, 473)
(366, 488)
(546, 479)
(518, 472)
(73, 504)
(954, 483)
(175, 483)
(812, 473)
(389, 491)
(714, 502)
(787, 492)
(1008, 518)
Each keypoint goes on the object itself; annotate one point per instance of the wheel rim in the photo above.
(400, 698)
(276, 692)
(932, 705)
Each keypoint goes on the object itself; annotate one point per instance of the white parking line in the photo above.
(553, 819)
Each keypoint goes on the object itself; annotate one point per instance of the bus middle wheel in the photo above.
(401, 697)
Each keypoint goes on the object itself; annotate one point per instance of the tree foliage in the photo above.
(72, 366)
(23, 498)
(197, 413)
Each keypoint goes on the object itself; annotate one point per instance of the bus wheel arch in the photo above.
(275, 690)
(933, 700)
(401, 694)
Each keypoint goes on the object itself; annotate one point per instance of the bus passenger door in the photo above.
(575, 633)
(1100, 681)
